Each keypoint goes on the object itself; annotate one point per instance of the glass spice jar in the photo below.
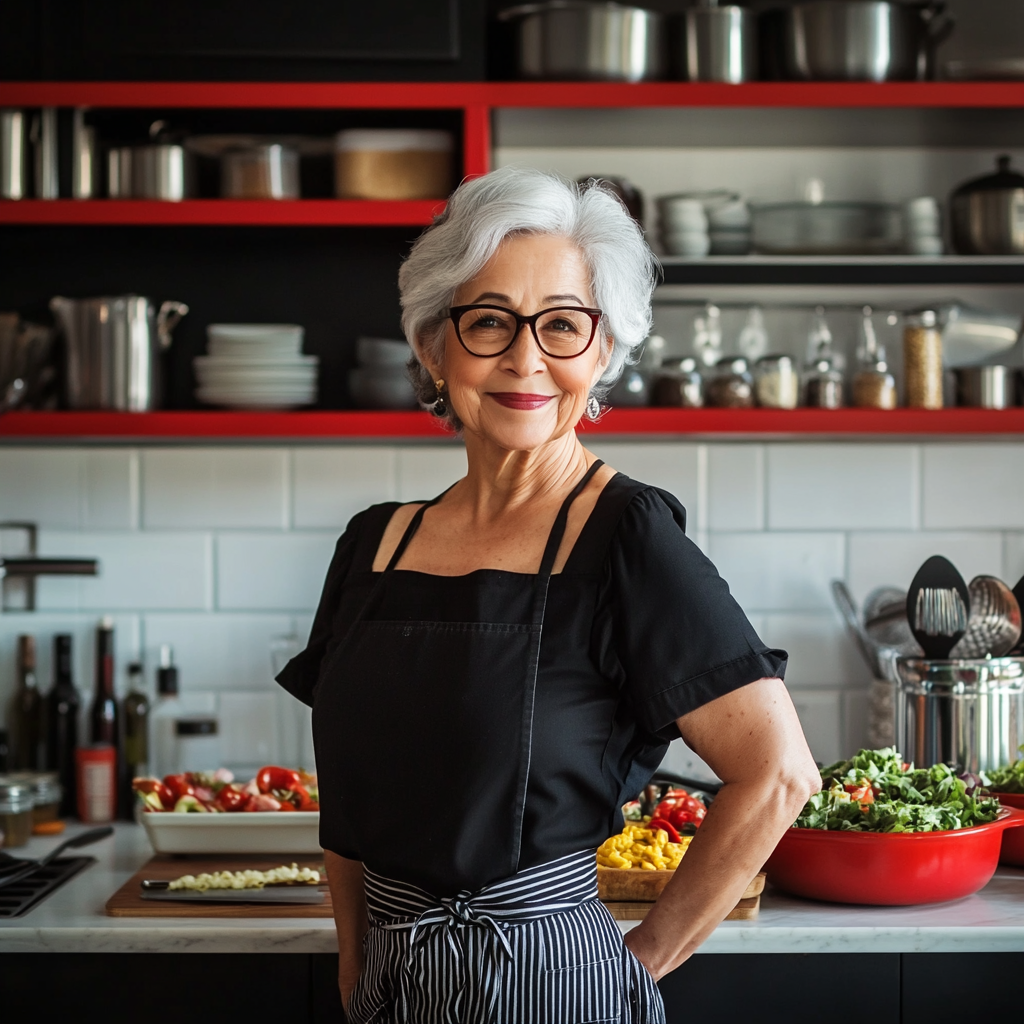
(922, 360)
(823, 386)
(731, 385)
(679, 384)
(776, 382)
(15, 811)
(874, 387)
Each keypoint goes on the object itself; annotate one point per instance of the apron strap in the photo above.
(557, 534)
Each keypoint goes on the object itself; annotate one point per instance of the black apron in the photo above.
(433, 722)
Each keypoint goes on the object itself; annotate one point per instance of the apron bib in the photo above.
(434, 723)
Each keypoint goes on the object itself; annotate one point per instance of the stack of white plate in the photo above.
(256, 366)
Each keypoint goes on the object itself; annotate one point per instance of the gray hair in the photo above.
(481, 214)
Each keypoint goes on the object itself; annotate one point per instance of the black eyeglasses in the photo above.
(562, 332)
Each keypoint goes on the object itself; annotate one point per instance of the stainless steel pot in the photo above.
(987, 214)
(588, 41)
(260, 171)
(863, 40)
(113, 350)
(985, 387)
(719, 44)
(968, 713)
(13, 156)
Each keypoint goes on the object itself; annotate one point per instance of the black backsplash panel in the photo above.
(242, 40)
(339, 283)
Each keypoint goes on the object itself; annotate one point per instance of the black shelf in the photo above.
(832, 270)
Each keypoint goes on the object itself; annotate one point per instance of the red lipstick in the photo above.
(520, 400)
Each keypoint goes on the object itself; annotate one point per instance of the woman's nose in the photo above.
(524, 357)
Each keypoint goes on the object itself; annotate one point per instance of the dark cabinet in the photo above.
(243, 40)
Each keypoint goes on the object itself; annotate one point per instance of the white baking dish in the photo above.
(240, 832)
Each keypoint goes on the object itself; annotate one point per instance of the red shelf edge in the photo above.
(455, 95)
(299, 212)
(359, 424)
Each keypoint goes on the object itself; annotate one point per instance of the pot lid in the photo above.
(1004, 178)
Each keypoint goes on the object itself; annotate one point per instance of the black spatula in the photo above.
(938, 607)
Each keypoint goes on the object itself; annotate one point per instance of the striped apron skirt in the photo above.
(536, 948)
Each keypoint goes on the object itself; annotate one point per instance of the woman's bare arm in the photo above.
(752, 739)
(345, 878)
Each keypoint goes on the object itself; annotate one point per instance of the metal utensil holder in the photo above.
(968, 713)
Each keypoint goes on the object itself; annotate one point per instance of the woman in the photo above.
(494, 672)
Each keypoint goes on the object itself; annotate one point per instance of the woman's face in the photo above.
(523, 398)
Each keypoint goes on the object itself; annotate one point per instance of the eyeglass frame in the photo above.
(455, 313)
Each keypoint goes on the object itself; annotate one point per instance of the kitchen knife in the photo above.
(282, 894)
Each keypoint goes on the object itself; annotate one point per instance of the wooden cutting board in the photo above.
(630, 898)
(128, 901)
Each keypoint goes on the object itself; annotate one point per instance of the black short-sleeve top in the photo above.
(639, 630)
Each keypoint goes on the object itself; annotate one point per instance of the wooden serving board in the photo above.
(635, 900)
(128, 901)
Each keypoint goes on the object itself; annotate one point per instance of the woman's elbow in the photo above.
(800, 781)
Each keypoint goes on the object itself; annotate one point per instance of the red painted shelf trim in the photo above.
(622, 422)
(312, 212)
(454, 95)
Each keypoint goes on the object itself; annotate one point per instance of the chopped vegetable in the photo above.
(180, 785)
(680, 808)
(1007, 779)
(189, 804)
(290, 790)
(230, 798)
(249, 879)
(876, 791)
(656, 823)
(643, 847)
(272, 777)
(164, 799)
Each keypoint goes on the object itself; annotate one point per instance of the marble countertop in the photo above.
(72, 920)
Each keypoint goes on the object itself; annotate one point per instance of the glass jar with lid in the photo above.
(777, 382)
(731, 385)
(679, 384)
(16, 802)
(46, 794)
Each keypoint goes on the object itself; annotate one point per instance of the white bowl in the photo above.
(686, 243)
(376, 387)
(277, 333)
(729, 217)
(256, 359)
(382, 352)
(241, 832)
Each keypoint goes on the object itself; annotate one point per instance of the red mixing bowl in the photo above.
(891, 869)
(1012, 852)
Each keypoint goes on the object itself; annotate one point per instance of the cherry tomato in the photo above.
(271, 777)
(179, 785)
(230, 799)
(163, 793)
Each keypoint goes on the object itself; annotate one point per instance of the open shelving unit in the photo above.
(475, 102)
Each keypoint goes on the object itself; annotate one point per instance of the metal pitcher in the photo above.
(113, 347)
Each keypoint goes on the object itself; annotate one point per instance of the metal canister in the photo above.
(968, 712)
(922, 360)
(985, 387)
(13, 156)
(719, 43)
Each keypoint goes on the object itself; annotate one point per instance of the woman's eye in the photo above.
(487, 323)
(562, 326)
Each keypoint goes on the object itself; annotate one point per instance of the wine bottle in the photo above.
(103, 712)
(135, 715)
(28, 727)
(63, 705)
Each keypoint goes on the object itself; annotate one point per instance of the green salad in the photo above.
(1008, 779)
(876, 791)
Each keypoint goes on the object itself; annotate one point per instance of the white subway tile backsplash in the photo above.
(842, 486)
(209, 487)
(672, 467)
(332, 484)
(41, 485)
(423, 472)
(821, 717)
(820, 653)
(250, 730)
(265, 571)
(145, 570)
(973, 486)
(216, 652)
(892, 559)
(855, 722)
(110, 491)
(735, 487)
(779, 571)
(681, 760)
(1013, 558)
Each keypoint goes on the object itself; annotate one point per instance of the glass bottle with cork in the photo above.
(27, 720)
(62, 704)
(103, 712)
(135, 715)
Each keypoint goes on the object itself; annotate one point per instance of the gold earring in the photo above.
(440, 406)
